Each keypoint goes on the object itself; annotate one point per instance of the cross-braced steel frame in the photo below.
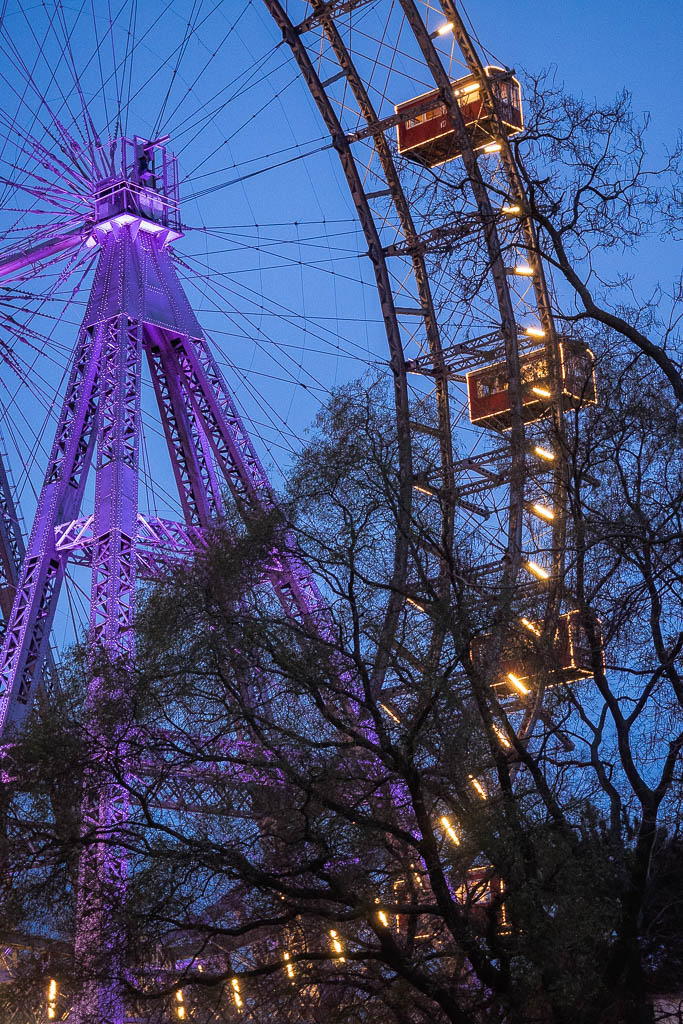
(137, 306)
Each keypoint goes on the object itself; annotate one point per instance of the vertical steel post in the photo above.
(100, 934)
(29, 623)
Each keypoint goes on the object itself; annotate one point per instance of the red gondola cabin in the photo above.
(481, 893)
(426, 135)
(487, 388)
(567, 660)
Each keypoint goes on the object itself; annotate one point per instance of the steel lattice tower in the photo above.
(137, 306)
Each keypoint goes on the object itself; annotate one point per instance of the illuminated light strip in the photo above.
(415, 604)
(124, 220)
(543, 511)
(452, 834)
(530, 626)
(389, 712)
(512, 210)
(537, 570)
(493, 147)
(290, 966)
(381, 914)
(518, 684)
(535, 332)
(52, 996)
(470, 88)
(543, 392)
(501, 736)
(337, 946)
(180, 1010)
(424, 490)
(445, 29)
(478, 787)
(523, 271)
(236, 993)
(543, 453)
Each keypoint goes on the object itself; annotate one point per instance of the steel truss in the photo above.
(337, 84)
(137, 305)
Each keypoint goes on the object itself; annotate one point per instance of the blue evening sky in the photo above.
(291, 307)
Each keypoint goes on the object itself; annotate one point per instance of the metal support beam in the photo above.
(17, 261)
(330, 9)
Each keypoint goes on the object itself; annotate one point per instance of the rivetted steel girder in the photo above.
(388, 308)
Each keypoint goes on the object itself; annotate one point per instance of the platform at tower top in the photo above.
(141, 192)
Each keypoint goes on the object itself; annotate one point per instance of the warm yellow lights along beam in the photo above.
(537, 570)
(337, 946)
(543, 453)
(51, 995)
(501, 736)
(478, 787)
(543, 511)
(518, 684)
(450, 831)
(389, 712)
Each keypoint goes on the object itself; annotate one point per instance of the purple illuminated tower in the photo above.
(137, 307)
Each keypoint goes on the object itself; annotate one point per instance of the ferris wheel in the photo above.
(420, 124)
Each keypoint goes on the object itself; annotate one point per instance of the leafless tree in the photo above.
(410, 857)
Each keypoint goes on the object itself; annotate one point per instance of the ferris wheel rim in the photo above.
(322, 17)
